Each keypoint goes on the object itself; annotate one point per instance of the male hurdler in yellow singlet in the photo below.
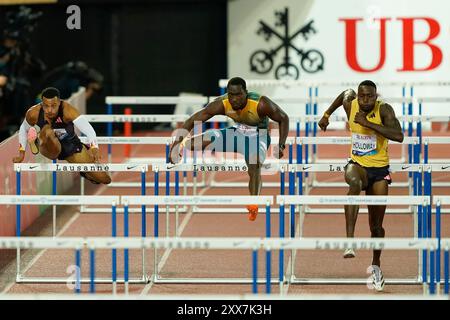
(372, 123)
(249, 136)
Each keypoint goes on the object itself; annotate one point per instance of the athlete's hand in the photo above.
(174, 153)
(360, 118)
(95, 154)
(323, 123)
(281, 151)
(20, 157)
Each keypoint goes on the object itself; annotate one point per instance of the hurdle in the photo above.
(81, 167)
(300, 141)
(413, 158)
(281, 200)
(267, 201)
(20, 200)
(158, 141)
(282, 169)
(253, 244)
(88, 167)
(298, 170)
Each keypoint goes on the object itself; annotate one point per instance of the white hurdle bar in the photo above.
(267, 201)
(324, 243)
(58, 200)
(85, 167)
(347, 200)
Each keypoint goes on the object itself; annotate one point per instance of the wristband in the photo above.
(21, 148)
(326, 115)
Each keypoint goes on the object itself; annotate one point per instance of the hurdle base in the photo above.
(212, 280)
(148, 209)
(309, 210)
(318, 184)
(82, 280)
(340, 160)
(242, 184)
(352, 281)
(231, 210)
(151, 184)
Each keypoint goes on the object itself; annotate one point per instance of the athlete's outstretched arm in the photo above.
(81, 123)
(214, 108)
(267, 107)
(344, 99)
(28, 122)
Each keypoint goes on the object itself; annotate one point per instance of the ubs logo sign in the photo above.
(262, 61)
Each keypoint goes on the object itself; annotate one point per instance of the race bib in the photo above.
(364, 145)
(60, 133)
(246, 129)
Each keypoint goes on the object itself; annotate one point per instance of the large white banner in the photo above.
(344, 41)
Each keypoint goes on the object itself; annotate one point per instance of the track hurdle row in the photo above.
(296, 174)
(238, 200)
(250, 244)
(167, 168)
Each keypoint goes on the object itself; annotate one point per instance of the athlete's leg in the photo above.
(356, 178)
(255, 154)
(49, 145)
(376, 216)
(85, 156)
(255, 182)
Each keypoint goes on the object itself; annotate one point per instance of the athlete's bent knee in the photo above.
(355, 183)
(377, 232)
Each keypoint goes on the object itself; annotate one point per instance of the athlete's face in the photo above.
(237, 96)
(367, 96)
(50, 107)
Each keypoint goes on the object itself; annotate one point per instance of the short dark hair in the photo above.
(50, 93)
(368, 83)
(237, 81)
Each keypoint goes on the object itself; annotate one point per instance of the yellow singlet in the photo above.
(369, 149)
(249, 115)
